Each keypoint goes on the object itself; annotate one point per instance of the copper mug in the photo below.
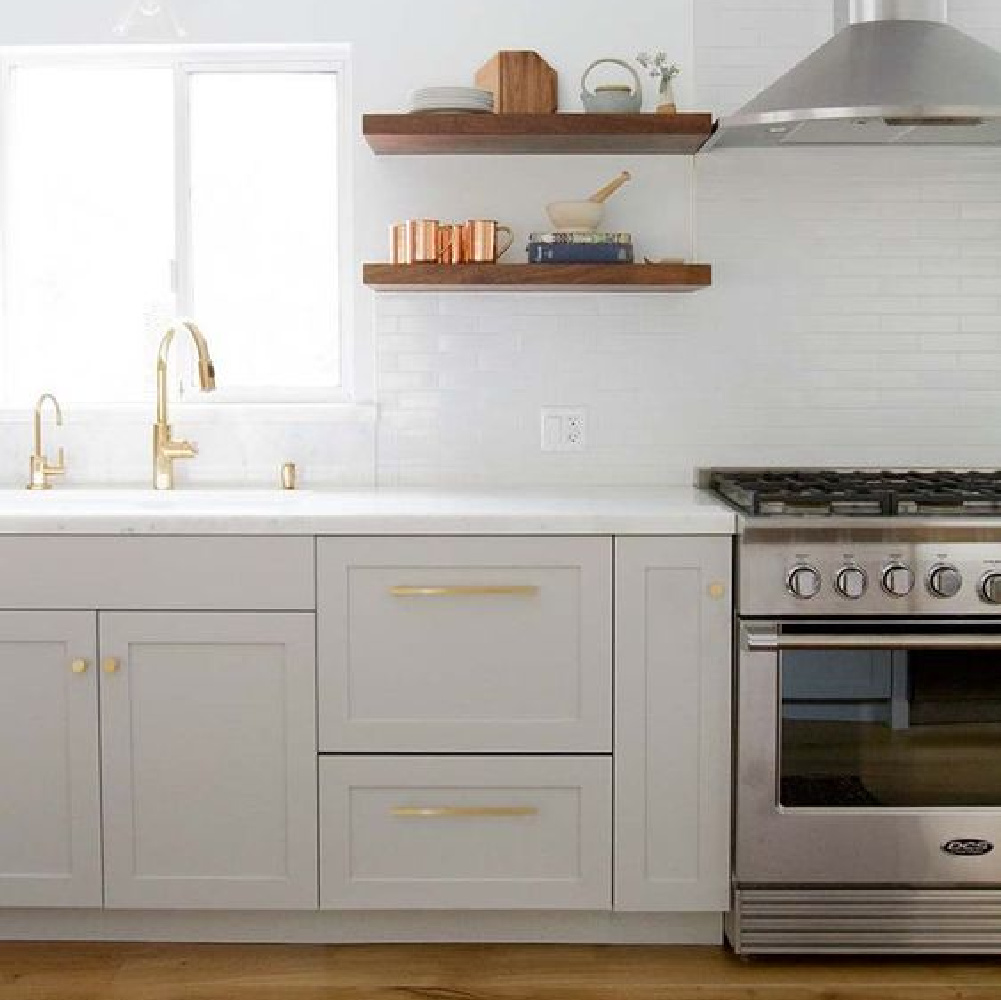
(424, 241)
(480, 240)
(399, 246)
(452, 243)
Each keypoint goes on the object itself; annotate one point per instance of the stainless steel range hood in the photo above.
(897, 75)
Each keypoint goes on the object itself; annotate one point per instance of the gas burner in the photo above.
(830, 493)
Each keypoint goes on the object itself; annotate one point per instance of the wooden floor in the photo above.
(465, 972)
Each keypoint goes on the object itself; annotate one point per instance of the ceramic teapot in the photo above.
(612, 98)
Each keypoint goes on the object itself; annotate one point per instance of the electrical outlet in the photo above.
(564, 428)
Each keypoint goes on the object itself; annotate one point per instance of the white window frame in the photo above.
(184, 60)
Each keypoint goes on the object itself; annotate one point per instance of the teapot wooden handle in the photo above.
(637, 85)
(603, 194)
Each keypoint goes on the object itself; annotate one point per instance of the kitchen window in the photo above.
(141, 183)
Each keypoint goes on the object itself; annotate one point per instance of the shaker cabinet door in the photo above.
(50, 836)
(208, 738)
(673, 724)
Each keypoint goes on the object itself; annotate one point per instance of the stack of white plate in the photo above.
(470, 99)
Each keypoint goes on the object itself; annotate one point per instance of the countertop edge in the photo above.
(374, 525)
(609, 512)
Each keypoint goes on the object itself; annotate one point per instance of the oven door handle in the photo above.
(765, 638)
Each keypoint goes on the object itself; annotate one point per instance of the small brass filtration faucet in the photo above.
(39, 469)
(165, 449)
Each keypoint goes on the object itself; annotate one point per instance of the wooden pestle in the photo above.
(602, 195)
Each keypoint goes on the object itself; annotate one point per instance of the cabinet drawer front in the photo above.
(477, 832)
(465, 644)
(188, 573)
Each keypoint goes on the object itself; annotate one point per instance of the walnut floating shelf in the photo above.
(401, 134)
(538, 277)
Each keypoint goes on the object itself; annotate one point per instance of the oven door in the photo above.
(869, 753)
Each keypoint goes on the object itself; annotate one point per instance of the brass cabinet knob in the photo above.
(79, 666)
(111, 665)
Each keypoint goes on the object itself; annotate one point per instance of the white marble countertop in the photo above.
(236, 511)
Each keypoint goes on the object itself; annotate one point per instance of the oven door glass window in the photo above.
(877, 728)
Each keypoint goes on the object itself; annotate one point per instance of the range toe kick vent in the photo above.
(865, 921)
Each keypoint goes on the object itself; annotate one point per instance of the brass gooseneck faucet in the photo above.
(39, 469)
(165, 449)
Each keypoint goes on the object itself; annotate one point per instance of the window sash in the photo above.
(184, 61)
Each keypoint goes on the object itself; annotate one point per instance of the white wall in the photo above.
(855, 316)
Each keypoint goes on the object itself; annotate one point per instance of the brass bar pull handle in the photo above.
(112, 665)
(463, 812)
(79, 666)
(464, 591)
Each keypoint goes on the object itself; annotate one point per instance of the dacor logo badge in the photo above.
(968, 847)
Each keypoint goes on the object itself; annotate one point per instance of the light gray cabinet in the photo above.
(673, 725)
(465, 723)
(50, 834)
(465, 647)
(181, 728)
(208, 741)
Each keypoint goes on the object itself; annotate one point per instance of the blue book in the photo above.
(579, 253)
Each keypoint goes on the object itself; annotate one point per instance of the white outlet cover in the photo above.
(564, 428)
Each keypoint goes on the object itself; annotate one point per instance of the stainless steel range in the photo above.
(868, 734)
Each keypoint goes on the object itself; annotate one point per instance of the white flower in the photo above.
(657, 66)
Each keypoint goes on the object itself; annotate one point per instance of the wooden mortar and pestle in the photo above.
(584, 216)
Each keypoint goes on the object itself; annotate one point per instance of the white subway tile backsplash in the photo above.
(407, 305)
(911, 323)
(247, 446)
(981, 324)
(855, 317)
(963, 343)
(981, 286)
(432, 323)
(403, 381)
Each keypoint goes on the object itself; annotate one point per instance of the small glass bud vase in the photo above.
(667, 105)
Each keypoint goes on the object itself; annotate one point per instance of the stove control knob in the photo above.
(851, 582)
(898, 580)
(945, 580)
(803, 582)
(990, 588)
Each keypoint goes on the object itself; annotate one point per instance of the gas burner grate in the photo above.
(826, 493)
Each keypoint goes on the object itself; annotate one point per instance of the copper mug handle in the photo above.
(451, 243)
(510, 241)
(446, 243)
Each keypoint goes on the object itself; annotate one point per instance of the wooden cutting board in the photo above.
(520, 82)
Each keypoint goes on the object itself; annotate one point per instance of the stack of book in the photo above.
(580, 248)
